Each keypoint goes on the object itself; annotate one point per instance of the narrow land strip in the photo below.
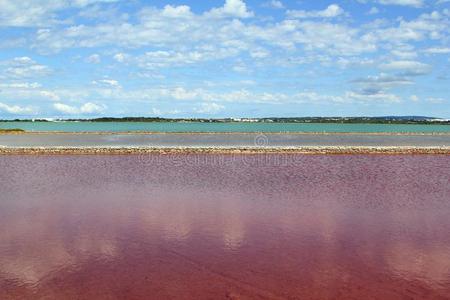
(169, 151)
(92, 143)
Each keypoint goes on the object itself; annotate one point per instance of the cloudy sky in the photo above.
(224, 58)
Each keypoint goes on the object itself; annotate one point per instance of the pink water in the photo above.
(225, 227)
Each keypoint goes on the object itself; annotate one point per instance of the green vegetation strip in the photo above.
(14, 130)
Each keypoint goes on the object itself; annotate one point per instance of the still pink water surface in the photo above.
(225, 227)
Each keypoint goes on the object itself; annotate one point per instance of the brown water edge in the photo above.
(211, 226)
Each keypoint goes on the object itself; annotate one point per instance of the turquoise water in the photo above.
(219, 127)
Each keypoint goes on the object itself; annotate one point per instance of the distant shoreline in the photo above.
(394, 120)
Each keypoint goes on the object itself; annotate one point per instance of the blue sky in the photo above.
(227, 58)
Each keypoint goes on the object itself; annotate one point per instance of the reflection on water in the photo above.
(213, 227)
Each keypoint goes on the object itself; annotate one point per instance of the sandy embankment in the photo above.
(223, 143)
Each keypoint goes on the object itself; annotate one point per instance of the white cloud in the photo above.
(372, 98)
(331, 11)
(209, 108)
(432, 26)
(22, 67)
(107, 82)
(207, 38)
(24, 60)
(121, 57)
(373, 85)
(17, 110)
(161, 59)
(182, 11)
(165, 50)
(20, 85)
(232, 8)
(50, 95)
(435, 100)
(407, 67)
(158, 112)
(414, 3)
(6, 43)
(180, 93)
(414, 98)
(94, 59)
(274, 4)
(28, 91)
(203, 100)
(36, 13)
(158, 95)
(90, 108)
(373, 11)
(66, 109)
(405, 53)
(437, 50)
(87, 108)
(82, 3)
